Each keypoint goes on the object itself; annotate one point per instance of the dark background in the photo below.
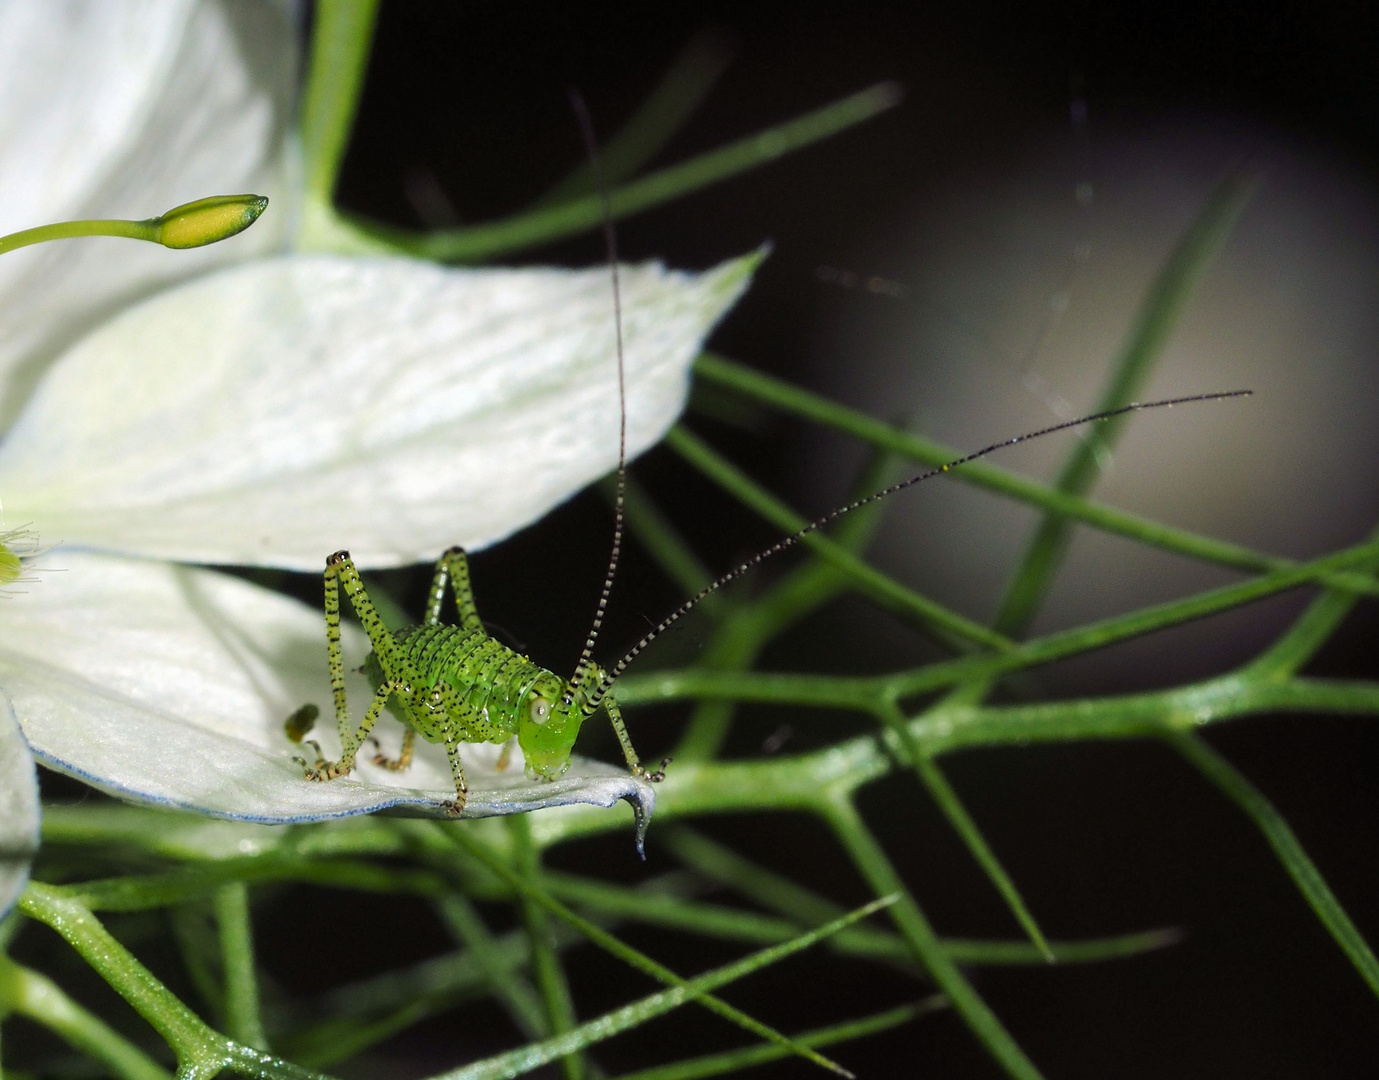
(1102, 838)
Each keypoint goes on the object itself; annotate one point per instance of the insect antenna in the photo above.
(610, 243)
(606, 683)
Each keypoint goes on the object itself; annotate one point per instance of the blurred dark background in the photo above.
(1013, 208)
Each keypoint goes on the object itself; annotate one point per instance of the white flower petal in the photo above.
(279, 411)
(18, 808)
(126, 108)
(169, 685)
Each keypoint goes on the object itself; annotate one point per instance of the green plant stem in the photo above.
(201, 1052)
(340, 41)
(738, 639)
(884, 590)
(835, 805)
(1232, 783)
(681, 90)
(867, 693)
(821, 410)
(550, 975)
(479, 243)
(505, 983)
(523, 1060)
(462, 839)
(198, 944)
(27, 993)
(242, 1020)
(805, 907)
(794, 783)
(732, 1061)
(1158, 316)
(931, 776)
(138, 892)
(67, 230)
(732, 924)
(1309, 632)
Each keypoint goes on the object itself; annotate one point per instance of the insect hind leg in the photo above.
(453, 567)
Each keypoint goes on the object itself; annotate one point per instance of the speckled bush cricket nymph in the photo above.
(455, 684)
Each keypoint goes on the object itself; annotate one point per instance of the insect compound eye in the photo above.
(539, 710)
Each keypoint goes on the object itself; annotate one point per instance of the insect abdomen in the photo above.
(485, 675)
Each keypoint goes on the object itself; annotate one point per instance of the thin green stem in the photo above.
(68, 230)
(865, 694)
(340, 41)
(884, 590)
(681, 90)
(852, 832)
(242, 1019)
(139, 892)
(1233, 784)
(966, 827)
(550, 975)
(1309, 632)
(464, 841)
(504, 982)
(523, 1060)
(28, 993)
(733, 924)
(794, 783)
(1159, 315)
(821, 410)
(510, 235)
(738, 640)
(201, 1052)
(1122, 628)
(732, 1061)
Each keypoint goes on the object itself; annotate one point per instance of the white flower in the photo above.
(266, 413)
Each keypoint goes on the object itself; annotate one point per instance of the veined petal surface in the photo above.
(275, 412)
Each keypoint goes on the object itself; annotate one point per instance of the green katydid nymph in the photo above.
(455, 684)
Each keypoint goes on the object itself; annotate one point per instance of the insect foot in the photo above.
(322, 769)
(454, 807)
(653, 777)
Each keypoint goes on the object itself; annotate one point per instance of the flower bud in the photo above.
(205, 221)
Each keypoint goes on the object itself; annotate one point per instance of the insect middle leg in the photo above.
(351, 740)
(404, 757)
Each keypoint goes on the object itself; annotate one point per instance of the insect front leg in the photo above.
(453, 567)
(633, 761)
(341, 573)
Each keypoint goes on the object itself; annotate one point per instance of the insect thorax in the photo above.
(473, 687)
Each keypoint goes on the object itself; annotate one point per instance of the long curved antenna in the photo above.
(610, 241)
(605, 684)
